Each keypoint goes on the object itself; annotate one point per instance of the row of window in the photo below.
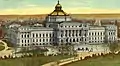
(36, 44)
(25, 35)
(71, 35)
(96, 41)
(111, 33)
(72, 40)
(65, 26)
(96, 38)
(38, 40)
(71, 31)
(37, 35)
(111, 38)
(68, 33)
(42, 35)
(96, 33)
(43, 40)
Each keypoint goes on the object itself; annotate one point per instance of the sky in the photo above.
(69, 6)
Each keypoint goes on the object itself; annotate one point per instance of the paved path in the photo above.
(80, 56)
(5, 52)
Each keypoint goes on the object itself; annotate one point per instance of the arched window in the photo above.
(40, 44)
(39, 35)
(50, 35)
(36, 35)
(73, 40)
(70, 40)
(77, 40)
(22, 41)
(78, 48)
(25, 41)
(33, 40)
(28, 41)
(36, 40)
(22, 45)
(46, 35)
(62, 41)
(33, 35)
(28, 36)
(67, 40)
(25, 36)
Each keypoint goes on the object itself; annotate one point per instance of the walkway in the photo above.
(7, 51)
(81, 56)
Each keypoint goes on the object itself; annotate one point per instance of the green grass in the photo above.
(109, 60)
(1, 43)
(30, 61)
(2, 47)
(9, 44)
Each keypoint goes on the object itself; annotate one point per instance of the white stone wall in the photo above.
(66, 32)
(111, 33)
(96, 35)
(58, 18)
(72, 33)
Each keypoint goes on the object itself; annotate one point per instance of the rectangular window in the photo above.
(43, 35)
(46, 40)
(46, 35)
(36, 40)
(33, 40)
(22, 35)
(39, 35)
(22, 41)
(36, 35)
(101, 33)
(28, 41)
(43, 40)
(50, 35)
(33, 35)
(25, 41)
(28, 36)
(89, 33)
(40, 40)
(53, 35)
(25, 35)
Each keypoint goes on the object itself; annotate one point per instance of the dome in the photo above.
(58, 6)
(58, 11)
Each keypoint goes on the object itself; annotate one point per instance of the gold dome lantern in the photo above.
(58, 11)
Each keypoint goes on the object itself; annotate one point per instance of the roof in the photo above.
(58, 11)
(97, 28)
(33, 28)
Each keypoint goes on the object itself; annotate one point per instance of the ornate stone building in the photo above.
(59, 29)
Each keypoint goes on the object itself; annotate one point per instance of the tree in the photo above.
(113, 47)
(67, 49)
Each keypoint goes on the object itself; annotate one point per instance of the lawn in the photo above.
(30, 61)
(108, 60)
(2, 47)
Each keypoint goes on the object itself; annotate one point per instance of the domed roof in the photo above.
(58, 5)
(58, 11)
